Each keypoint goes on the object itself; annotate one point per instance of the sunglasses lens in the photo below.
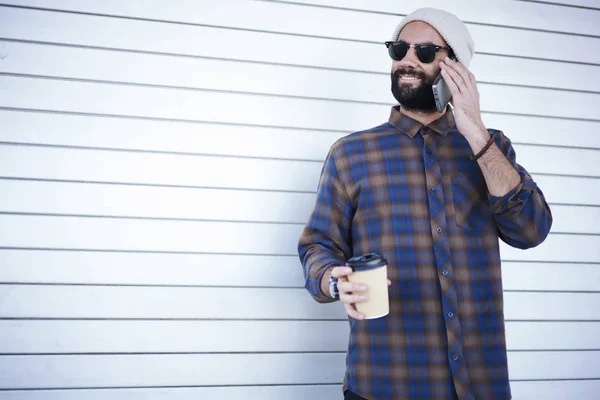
(398, 51)
(426, 53)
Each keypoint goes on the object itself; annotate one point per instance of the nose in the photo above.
(410, 60)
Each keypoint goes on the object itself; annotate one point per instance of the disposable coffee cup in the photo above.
(371, 270)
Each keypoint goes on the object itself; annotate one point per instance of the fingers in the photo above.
(339, 272)
(353, 298)
(460, 75)
(450, 82)
(351, 311)
(349, 287)
(351, 293)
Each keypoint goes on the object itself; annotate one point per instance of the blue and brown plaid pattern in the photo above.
(411, 193)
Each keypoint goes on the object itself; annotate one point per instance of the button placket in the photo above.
(443, 262)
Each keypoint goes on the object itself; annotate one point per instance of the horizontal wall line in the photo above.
(575, 234)
(10, 178)
(517, 85)
(175, 319)
(146, 251)
(553, 350)
(561, 4)
(172, 353)
(196, 88)
(253, 319)
(566, 175)
(261, 94)
(189, 88)
(174, 22)
(144, 218)
(166, 320)
(554, 320)
(555, 146)
(523, 28)
(273, 63)
(165, 387)
(46, 180)
(138, 251)
(194, 56)
(552, 262)
(574, 205)
(241, 157)
(138, 285)
(204, 220)
(178, 153)
(556, 380)
(5, 248)
(552, 291)
(194, 24)
(233, 156)
(170, 120)
(16, 178)
(274, 127)
(541, 116)
(109, 388)
(299, 287)
(179, 353)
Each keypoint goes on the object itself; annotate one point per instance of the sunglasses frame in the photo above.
(417, 47)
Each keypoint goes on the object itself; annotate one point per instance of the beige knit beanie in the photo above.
(452, 29)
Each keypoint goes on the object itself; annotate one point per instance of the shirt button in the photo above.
(438, 230)
(445, 272)
(455, 357)
(434, 189)
(450, 314)
(428, 151)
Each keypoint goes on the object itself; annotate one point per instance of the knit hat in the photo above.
(452, 29)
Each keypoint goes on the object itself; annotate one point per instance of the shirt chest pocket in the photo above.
(469, 201)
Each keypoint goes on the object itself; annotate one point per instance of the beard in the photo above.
(418, 99)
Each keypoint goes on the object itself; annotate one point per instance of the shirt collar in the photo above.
(409, 126)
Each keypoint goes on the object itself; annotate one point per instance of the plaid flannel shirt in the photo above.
(411, 193)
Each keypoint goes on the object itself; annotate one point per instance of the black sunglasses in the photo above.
(425, 52)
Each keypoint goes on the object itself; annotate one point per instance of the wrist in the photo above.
(477, 139)
(477, 155)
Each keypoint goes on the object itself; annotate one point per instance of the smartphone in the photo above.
(441, 92)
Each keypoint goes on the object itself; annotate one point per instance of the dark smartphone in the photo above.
(441, 92)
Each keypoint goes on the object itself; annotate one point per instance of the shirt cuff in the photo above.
(517, 197)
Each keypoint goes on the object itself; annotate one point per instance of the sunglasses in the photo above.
(425, 52)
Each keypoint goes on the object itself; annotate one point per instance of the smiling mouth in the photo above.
(409, 78)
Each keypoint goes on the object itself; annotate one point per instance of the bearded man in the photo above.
(433, 192)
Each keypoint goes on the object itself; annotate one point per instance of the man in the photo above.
(432, 192)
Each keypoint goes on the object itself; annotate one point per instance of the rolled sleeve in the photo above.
(522, 215)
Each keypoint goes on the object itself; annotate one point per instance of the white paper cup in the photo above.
(371, 270)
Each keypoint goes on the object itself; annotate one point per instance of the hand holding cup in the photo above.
(354, 281)
(350, 293)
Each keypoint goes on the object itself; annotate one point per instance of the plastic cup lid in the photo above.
(366, 262)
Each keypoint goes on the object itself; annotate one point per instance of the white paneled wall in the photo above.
(158, 161)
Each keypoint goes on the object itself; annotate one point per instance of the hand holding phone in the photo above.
(441, 92)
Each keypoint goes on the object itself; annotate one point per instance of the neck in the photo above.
(422, 117)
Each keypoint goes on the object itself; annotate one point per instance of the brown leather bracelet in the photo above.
(476, 157)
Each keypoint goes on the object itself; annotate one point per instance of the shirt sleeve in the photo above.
(325, 240)
(522, 215)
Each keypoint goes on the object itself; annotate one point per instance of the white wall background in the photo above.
(158, 161)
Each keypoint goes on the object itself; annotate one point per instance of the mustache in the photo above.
(408, 72)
